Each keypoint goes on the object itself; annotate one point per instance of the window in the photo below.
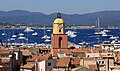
(49, 64)
(108, 54)
(103, 62)
(99, 62)
(87, 55)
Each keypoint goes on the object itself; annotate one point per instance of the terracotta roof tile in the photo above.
(29, 65)
(88, 58)
(79, 50)
(25, 52)
(63, 62)
(39, 58)
(45, 48)
(76, 61)
(66, 51)
(93, 67)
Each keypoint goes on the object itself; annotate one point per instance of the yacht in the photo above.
(14, 36)
(113, 37)
(48, 30)
(3, 34)
(45, 37)
(47, 40)
(21, 34)
(73, 35)
(28, 30)
(106, 30)
(22, 38)
(104, 34)
(35, 34)
(83, 43)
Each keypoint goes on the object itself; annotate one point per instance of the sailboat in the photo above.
(45, 36)
(28, 29)
(3, 34)
(47, 40)
(71, 33)
(35, 34)
(98, 32)
(22, 38)
(14, 36)
(21, 34)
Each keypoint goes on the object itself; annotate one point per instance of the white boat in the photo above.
(83, 43)
(22, 38)
(104, 34)
(73, 35)
(48, 30)
(34, 34)
(21, 34)
(96, 45)
(115, 41)
(98, 33)
(14, 36)
(45, 37)
(3, 34)
(28, 30)
(113, 37)
(47, 40)
(106, 30)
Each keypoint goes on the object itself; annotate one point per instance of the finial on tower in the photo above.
(58, 15)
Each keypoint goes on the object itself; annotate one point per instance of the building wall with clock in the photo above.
(58, 26)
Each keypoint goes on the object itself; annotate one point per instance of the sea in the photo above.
(82, 35)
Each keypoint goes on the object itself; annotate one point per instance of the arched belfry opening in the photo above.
(60, 42)
(60, 30)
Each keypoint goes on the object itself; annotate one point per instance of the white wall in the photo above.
(16, 53)
(116, 70)
(93, 54)
(41, 66)
(25, 70)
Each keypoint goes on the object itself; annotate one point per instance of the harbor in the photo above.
(81, 37)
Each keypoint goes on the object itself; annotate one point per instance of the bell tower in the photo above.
(58, 25)
(59, 38)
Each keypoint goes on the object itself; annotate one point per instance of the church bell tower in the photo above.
(59, 38)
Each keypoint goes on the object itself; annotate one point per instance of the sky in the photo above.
(64, 6)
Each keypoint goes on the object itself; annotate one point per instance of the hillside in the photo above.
(25, 17)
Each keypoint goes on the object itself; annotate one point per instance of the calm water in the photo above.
(86, 35)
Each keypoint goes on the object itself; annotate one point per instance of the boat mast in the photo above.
(98, 23)
(44, 30)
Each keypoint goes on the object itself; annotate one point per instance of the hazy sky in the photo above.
(64, 6)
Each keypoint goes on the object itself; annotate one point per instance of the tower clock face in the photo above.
(60, 26)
